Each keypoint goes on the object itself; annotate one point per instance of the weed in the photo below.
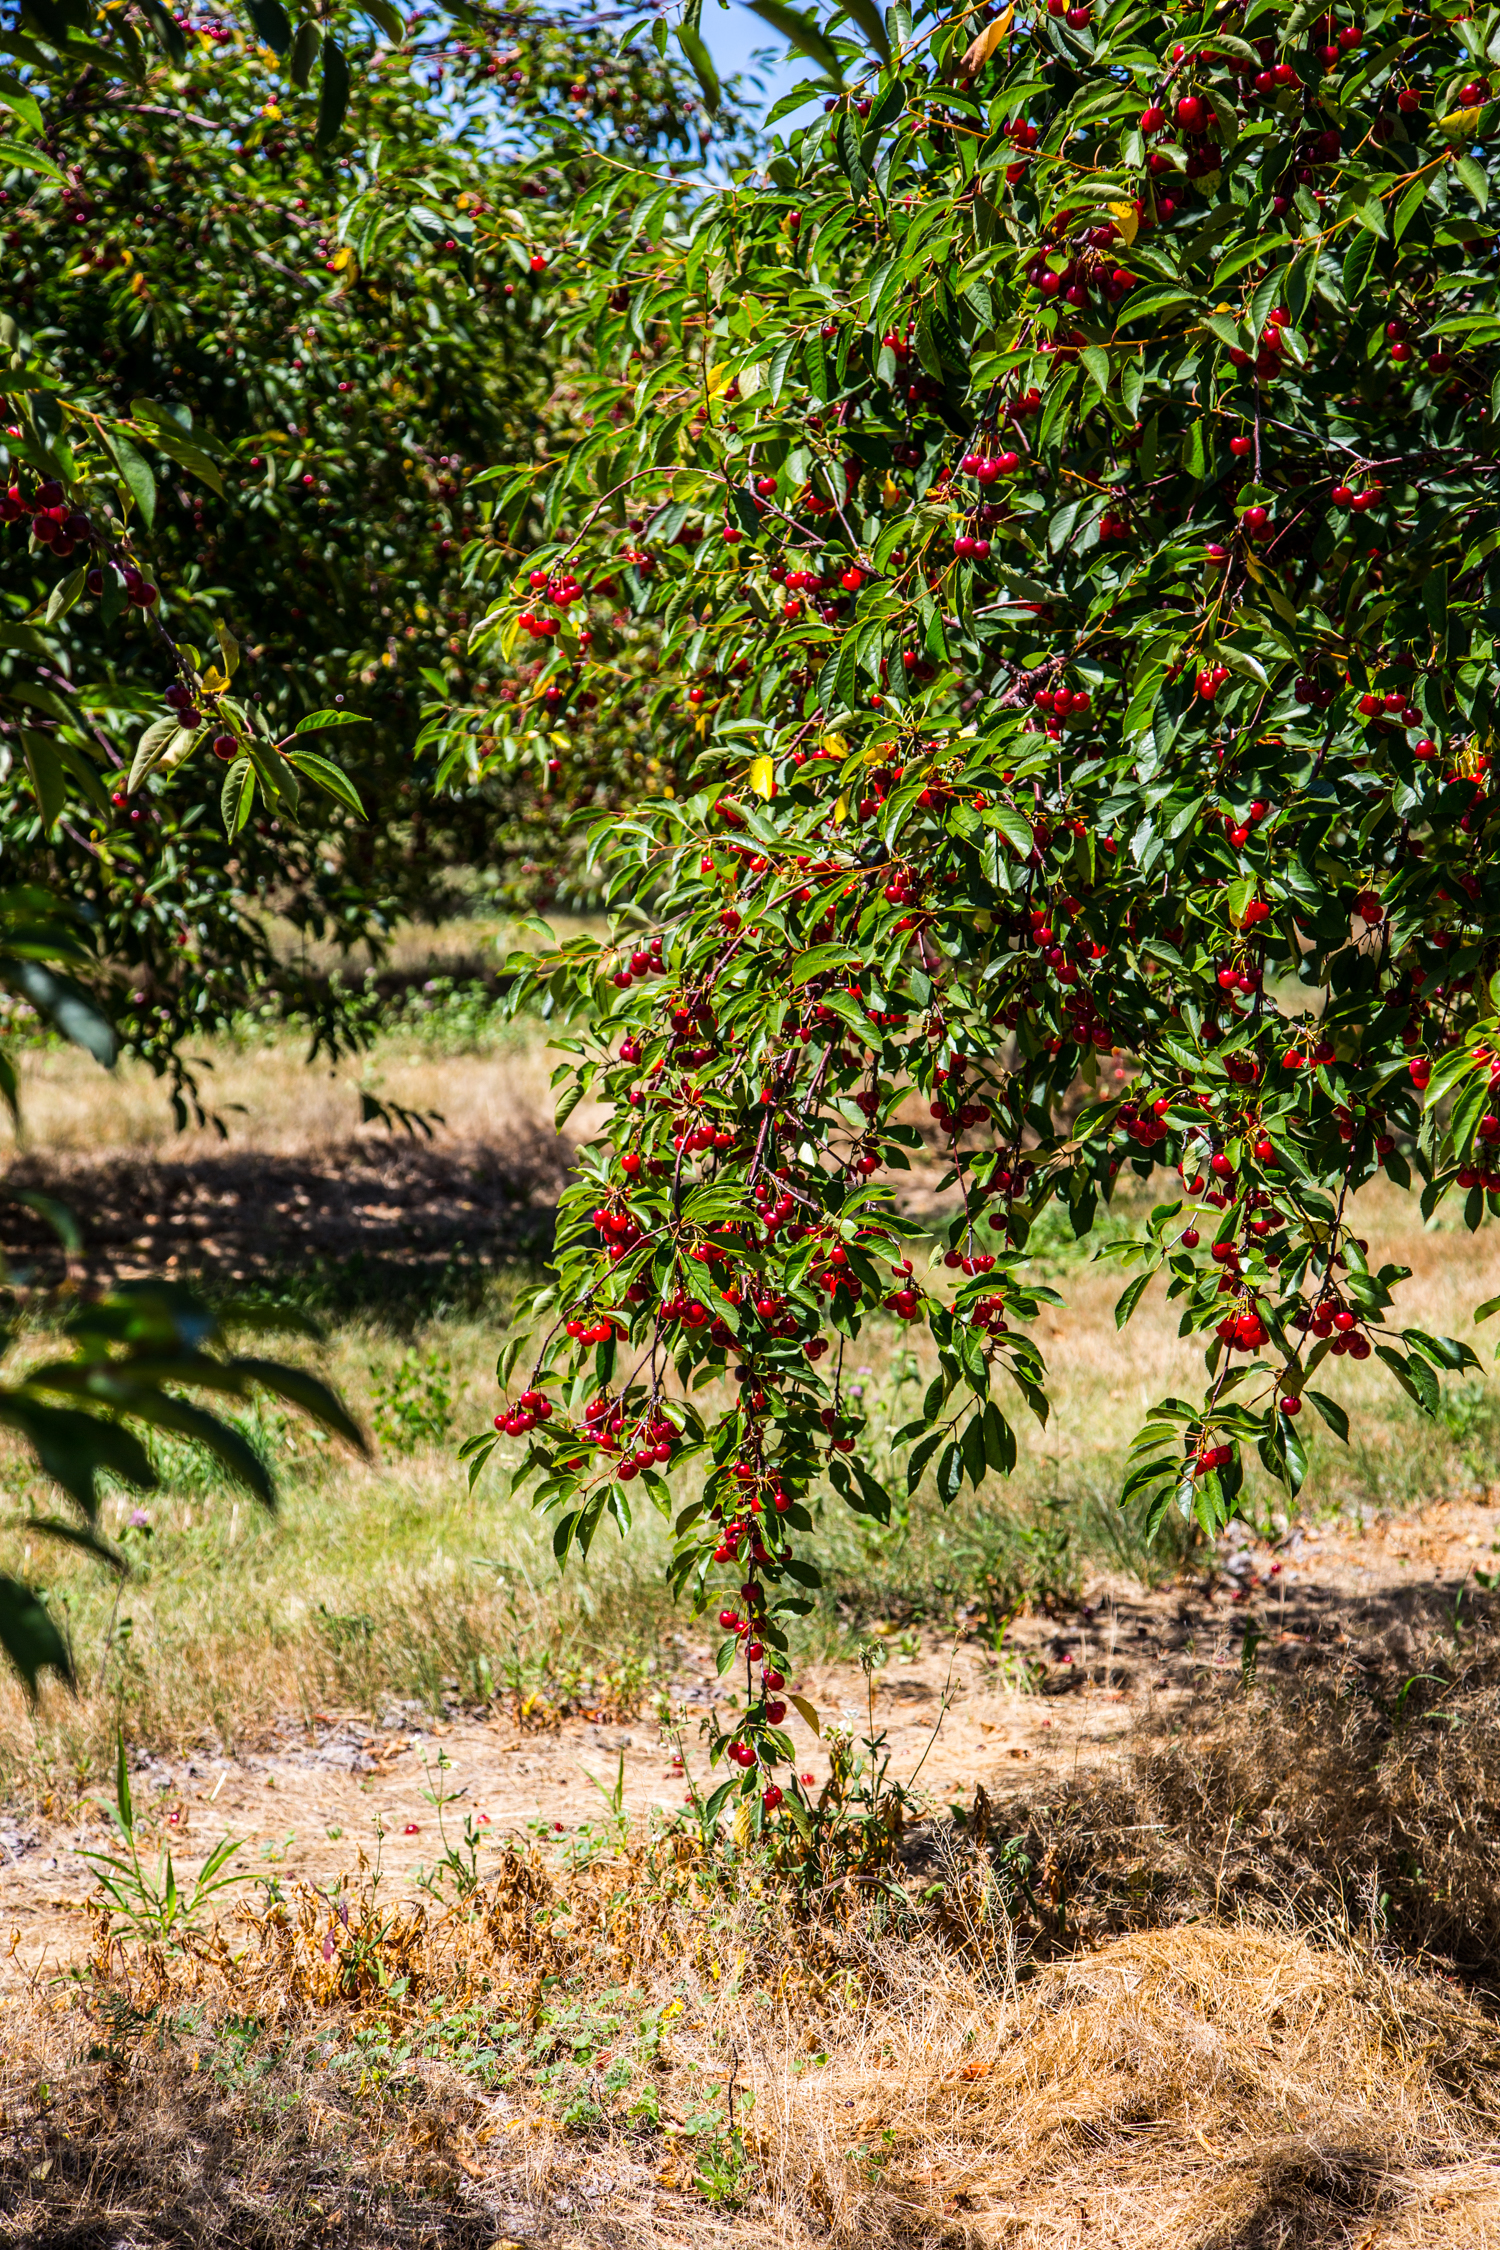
(415, 1406)
(140, 1904)
(459, 1863)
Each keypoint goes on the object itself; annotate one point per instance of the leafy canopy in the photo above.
(1061, 484)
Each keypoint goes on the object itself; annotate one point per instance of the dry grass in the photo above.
(273, 1100)
(1188, 1996)
(658, 2050)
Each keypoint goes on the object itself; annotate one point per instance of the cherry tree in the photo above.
(1059, 490)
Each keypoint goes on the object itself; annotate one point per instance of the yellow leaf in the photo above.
(719, 379)
(835, 746)
(1460, 121)
(891, 493)
(840, 812)
(1127, 220)
(215, 681)
(979, 51)
(806, 1713)
(763, 777)
(1253, 567)
(340, 259)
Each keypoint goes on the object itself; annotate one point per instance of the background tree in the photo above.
(1063, 483)
(313, 343)
(254, 344)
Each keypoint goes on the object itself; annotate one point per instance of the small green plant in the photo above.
(459, 1863)
(721, 2168)
(415, 1406)
(151, 1906)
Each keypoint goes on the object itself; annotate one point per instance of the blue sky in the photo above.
(732, 35)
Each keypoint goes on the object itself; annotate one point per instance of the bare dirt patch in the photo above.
(1095, 1699)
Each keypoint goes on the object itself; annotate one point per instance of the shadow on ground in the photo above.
(349, 1222)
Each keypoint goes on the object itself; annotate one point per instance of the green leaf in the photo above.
(57, 1215)
(333, 92)
(780, 362)
(299, 1388)
(867, 16)
(846, 143)
(31, 1641)
(75, 1014)
(327, 777)
(168, 31)
(389, 19)
(1475, 179)
(48, 775)
(273, 25)
(802, 33)
(135, 471)
(75, 1448)
(1131, 1296)
(304, 54)
(317, 722)
(150, 750)
(1358, 259)
(1332, 1413)
(237, 796)
(698, 55)
(15, 98)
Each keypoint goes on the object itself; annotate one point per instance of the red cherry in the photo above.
(1190, 113)
(1240, 446)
